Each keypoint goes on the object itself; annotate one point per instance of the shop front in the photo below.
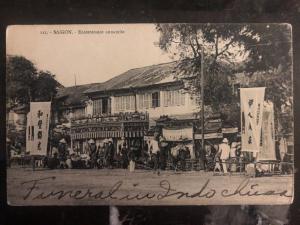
(118, 128)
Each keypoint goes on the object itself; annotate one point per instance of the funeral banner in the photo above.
(252, 100)
(267, 148)
(178, 134)
(38, 128)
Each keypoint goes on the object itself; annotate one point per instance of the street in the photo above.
(121, 187)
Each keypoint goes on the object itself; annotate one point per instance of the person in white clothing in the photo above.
(224, 151)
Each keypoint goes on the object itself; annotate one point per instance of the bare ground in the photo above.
(117, 186)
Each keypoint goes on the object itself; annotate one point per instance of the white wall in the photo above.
(113, 106)
(189, 107)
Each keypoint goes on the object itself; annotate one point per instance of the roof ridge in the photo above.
(81, 85)
(151, 66)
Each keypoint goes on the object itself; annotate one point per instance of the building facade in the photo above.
(125, 107)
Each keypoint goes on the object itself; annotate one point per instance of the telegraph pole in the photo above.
(202, 97)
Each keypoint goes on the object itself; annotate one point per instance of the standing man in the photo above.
(110, 152)
(182, 156)
(62, 152)
(93, 153)
(174, 157)
(224, 151)
(156, 155)
(124, 155)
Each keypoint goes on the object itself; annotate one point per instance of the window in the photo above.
(173, 98)
(145, 101)
(155, 100)
(149, 100)
(97, 106)
(125, 103)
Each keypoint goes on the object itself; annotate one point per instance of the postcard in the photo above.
(149, 114)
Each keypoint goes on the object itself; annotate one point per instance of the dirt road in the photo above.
(99, 187)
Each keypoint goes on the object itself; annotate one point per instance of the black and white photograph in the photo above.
(150, 114)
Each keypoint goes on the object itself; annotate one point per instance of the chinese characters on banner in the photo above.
(37, 129)
(267, 148)
(252, 100)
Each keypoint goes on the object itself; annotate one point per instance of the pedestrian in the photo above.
(53, 163)
(175, 157)
(69, 162)
(154, 148)
(233, 148)
(110, 153)
(217, 163)
(124, 156)
(62, 152)
(182, 156)
(233, 155)
(93, 153)
(224, 151)
(132, 158)
(105, 152)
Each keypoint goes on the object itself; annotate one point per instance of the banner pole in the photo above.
(202, 99)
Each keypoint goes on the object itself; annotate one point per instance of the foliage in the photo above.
(20, 74)
(44, 86)
(227, 49)
(24, 83)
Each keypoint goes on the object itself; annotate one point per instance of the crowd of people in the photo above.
(155, 155)
(93, 157)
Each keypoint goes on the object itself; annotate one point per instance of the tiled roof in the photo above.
(140, 77)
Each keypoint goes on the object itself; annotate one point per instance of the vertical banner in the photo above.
(267, 148)
(37, 130)
(252, 100)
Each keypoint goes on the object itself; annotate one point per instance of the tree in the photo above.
(45, 86)
(24, 83)
(20, 74)
(228, 48)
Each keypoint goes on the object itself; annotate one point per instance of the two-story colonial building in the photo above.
(124, 107)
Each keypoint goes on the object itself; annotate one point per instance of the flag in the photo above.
(267, 146)
(252, 100)
(37, 129)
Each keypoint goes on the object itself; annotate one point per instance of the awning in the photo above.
(209, 136)
(107, 134)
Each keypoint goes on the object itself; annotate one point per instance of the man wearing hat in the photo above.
(62, 152)
(224, 151)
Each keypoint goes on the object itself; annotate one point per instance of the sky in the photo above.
(70, 51)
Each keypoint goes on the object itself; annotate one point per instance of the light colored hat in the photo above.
(91, 141)
(62, 141)
(110, 140)
(225, 140)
